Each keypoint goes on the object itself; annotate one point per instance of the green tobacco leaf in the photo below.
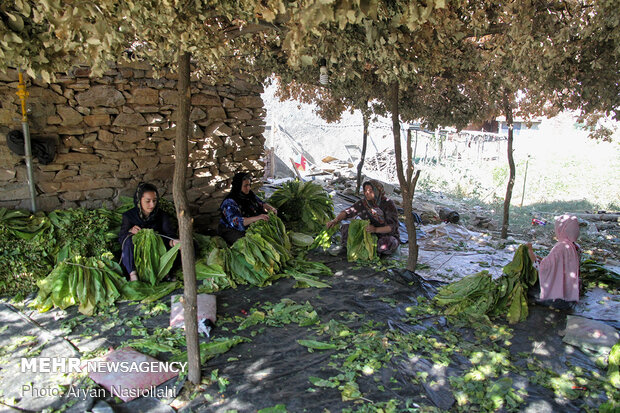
(317, 345)
(322, 382)
(361, 245)
(213, 348)
(166, 261)
(146, 293)
(278, 408)
(253, 319)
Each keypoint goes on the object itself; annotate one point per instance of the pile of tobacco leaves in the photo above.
(303, 206)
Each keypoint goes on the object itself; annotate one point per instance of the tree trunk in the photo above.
(360, 165)
(186, 222)
(511, 164)
(408, 182)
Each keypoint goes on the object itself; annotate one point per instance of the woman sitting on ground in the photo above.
(380, 211)
(558, 272)
(144, 215)
(241, 208)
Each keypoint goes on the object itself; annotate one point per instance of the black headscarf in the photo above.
(248, 204)
(140, 190)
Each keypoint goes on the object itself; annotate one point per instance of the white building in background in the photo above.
(519, 126)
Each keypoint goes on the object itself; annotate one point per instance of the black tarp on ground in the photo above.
(273, 368)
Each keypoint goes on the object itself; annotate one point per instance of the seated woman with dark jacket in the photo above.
(380, 211)
(240, 209)
(145, 214)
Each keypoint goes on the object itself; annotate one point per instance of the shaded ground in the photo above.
(388, 342)
(390, 350)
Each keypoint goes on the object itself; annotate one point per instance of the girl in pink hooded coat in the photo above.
(558, 272)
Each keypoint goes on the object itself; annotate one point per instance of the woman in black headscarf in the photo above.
(381, 211)
(144, 214)
(241, 208)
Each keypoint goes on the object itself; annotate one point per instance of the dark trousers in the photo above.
(127, 254)
(386, 243)
(230, 235)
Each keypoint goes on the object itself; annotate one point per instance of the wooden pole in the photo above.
(179, 190)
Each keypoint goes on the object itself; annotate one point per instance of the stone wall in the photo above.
(117, 130)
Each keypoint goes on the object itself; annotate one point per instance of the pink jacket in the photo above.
(559, 271)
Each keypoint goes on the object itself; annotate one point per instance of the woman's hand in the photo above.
(269, 208)
(134, 230)
(330, 224)
(174, 242)
(371, 229)
(261, 217)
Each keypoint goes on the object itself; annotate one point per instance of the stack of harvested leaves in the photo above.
(304, 206)
(260, 257)
(90, 282)
(478, 294)
(361, 245)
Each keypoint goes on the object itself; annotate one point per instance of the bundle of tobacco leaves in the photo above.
(361, 245)
(152, 260)
(478, 294)
(324, 238)
(31, 244)
(260, 257)
(304, 206)
(87, 281)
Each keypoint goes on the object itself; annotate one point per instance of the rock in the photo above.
(49, 187)
(129, 120)
(105, 136)
(72, 196)
(104, 111)
(101, 96)
(64, 174)
(145, 163)
(205, 100)
(74, 157)
(48, 203)
(54, 120)
(223, 130)
(103, 193)
(97, 120)
(215, 113)
(146, 96)
(169, 97)
(147, 109)
(165, 147)
(162, 173)
(197, 114)
(240, 114)
(131, 135)
(252, 130)
(9, 117)
(249, 102)
(88, 184)
(6, 174)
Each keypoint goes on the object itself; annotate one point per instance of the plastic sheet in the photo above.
(590, 335)
(206, 310)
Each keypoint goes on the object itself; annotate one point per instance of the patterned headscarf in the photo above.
(140, 190)
(375, 207)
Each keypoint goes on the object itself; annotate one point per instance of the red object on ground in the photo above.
(301, 165)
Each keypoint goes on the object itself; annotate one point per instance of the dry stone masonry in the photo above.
(119, 129)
